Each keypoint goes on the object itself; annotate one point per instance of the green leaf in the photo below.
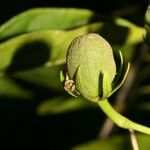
(124, 36)
(44, 76)
(115, 143)
(39, 48)
(48, 47)
(63, 105)
(147, 16)
(10, 89)
(45, 18)
(147, 24)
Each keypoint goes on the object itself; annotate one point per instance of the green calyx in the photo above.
(91, 68)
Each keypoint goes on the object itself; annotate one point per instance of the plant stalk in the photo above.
(120, 120)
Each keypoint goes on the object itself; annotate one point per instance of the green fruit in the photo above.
(91, 68)
(89, 60)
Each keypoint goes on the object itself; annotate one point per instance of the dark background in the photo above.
(20, 127)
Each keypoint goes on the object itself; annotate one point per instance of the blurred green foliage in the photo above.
(33, 47)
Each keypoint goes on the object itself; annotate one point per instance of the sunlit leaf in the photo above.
(39, 48)
(45, 18)
(49, 47)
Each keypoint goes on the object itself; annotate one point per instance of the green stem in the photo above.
(120, 120)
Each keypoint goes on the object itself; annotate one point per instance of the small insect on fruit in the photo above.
(69, 86)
